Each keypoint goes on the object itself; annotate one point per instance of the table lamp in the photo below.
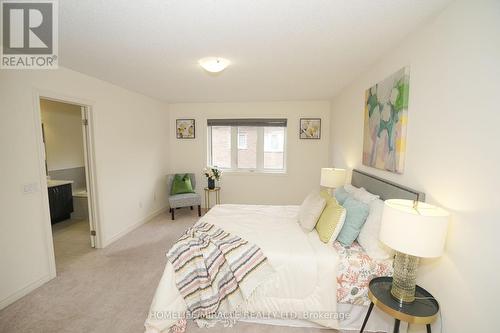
(332, 178)
(415, 230)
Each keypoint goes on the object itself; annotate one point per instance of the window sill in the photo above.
(253, 173)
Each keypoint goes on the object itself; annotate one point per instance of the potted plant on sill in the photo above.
(213, 174)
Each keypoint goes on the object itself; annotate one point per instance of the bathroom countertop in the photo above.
(53, 182)
(80, 192)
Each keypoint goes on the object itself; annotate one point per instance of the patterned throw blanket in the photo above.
(216, 271)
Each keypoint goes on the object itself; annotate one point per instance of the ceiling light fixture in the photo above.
(214, 64)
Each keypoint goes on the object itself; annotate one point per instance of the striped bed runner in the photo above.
(216, 271)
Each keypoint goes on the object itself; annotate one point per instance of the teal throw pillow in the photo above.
(341, 195)
(357, 212)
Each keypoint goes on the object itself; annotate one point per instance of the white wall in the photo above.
(131, 142)
(62, 125)
(453, 151)
(304, 157)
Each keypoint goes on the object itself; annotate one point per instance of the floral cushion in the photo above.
(356, 269)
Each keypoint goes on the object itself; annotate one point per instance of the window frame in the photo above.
(259, 169)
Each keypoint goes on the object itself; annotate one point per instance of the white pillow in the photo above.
(368, 238)
(311, 210)
(350, 189)
(364, 196)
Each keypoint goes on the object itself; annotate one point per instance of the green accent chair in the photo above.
(178, 201)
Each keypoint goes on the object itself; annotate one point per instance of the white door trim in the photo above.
(88, 143)
(50, 95)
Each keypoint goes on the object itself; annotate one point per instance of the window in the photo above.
(274, 148)
(247, 144)
(221, 141)
(247, 154)
(242, 140)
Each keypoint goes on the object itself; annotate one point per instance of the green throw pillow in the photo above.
(181, 184)
(331, 220)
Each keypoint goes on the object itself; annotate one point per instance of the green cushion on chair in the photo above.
(181, 184)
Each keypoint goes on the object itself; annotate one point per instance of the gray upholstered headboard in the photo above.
(384, 188)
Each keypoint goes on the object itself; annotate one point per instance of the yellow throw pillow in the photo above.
(331, 220)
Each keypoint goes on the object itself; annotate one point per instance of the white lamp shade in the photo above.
(418, 231)
(332, 177)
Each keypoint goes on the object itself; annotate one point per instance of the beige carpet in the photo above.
(71, 241)
(107, 290)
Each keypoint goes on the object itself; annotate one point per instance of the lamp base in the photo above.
(405, 276)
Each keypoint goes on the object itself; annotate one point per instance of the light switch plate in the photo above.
(31, 188)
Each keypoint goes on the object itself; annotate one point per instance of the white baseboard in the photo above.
(134, 226)
(24, 291)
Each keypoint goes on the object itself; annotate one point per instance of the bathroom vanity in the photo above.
(60, 200)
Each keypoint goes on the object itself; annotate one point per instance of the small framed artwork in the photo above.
(185, 128)
(310, 128)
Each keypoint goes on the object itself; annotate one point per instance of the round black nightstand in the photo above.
(422, 311)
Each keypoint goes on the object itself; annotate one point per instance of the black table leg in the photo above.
(428, 328)
(366, 317)
(396, 326)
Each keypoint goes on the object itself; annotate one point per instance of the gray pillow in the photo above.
(357, 212)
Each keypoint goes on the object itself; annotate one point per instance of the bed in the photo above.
(313, 285)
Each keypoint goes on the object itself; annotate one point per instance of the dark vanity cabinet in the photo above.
(60, 202)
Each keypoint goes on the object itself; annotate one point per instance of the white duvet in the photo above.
(304, 284)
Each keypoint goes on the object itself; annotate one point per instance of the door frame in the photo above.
(88, 155)
(92, 187)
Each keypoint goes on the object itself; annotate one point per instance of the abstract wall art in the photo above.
(386, 117)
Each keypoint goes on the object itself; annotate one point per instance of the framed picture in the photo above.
(386, 118)
(310, 128)
(185, 128)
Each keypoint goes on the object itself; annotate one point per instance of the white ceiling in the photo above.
(280, 49)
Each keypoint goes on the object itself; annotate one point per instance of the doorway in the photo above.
(68, 159)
